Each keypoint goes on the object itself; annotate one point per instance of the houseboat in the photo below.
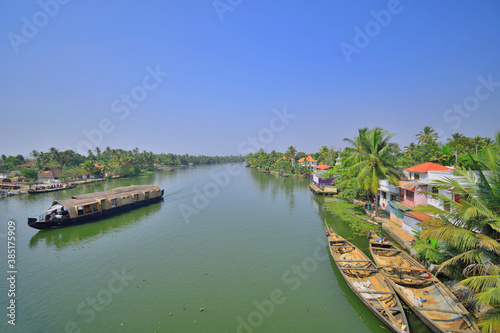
(51, 188)
(86, 208)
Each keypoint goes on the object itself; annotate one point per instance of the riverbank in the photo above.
(25, 187)
(280, 174)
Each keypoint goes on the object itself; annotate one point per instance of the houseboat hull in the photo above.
(51, 189)
(102, 212)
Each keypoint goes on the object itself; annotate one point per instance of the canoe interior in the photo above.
(367, 282)
(428, 298)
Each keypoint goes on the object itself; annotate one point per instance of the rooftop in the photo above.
(322, 167)
(428, 166)
(309, 159)
(418, 216)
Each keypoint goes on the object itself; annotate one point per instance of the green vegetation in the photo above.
(470, 231)
(464, 238)
(99, 163)
(345, 210)
(284, 164)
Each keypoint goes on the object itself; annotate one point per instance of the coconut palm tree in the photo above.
(410, 149)
(472, 227)
(427, 135)
(487, 288)
(290, 153)
(323, 155)
(34, 153)
(373, 160)
(356, 146)
(456, 142)
(477, 141)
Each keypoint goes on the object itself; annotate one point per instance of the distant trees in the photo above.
(115, 161)
(277, 162)
(455, 151)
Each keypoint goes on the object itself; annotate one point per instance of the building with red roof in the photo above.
(322, 167)
(400, 199)
(308, 161)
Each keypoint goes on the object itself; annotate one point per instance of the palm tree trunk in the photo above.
(376, 204)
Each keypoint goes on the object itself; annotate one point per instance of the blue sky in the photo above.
(80, 74)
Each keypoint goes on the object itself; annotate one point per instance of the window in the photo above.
(435, 190)
(136, 197)
(80, 210)
(410, 195)
(384, 195)
(416, 176)
(146, 195)
(87, 209)
(113, 203)
(394, 197)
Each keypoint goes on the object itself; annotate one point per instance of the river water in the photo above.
(229, 249)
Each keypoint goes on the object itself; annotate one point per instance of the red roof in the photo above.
(309, 159)
(418, 216)
(428, 166)
(406, 185)
(322, 167)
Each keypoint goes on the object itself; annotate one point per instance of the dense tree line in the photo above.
(99, 162)
(287, 163)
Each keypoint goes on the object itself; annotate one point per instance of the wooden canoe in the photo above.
(440, 310)
(367, 282)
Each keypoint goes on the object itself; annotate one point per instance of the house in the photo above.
(28, 165)
(309, 161)
(412, 220)
(50, 176)
(399, 201)
(317, 178)
(320, 184)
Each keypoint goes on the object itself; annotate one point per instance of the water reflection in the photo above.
(81, 234)
(276, 185)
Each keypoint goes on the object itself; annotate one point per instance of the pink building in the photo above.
(407, 195)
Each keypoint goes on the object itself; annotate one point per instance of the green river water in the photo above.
(249, 248)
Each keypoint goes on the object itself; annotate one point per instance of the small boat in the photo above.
(367, 283)
(51, 188)
(86, 208)
(424, 294)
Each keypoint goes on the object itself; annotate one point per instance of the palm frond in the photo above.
(489, 322)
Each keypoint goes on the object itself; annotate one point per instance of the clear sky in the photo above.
(211, 77)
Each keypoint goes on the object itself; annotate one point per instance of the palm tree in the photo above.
(290, 153)
(427, 135)
(456, 142)
(98, 152)
(54, 155)
(410, 149)
(373, 160)
(34, 153)
(356, 145)
(323, 154)
(472, 227)
(477, 141)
